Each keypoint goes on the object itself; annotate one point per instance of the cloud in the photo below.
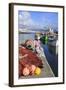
(25, 20)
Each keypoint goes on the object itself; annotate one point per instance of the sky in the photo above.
(32, 19)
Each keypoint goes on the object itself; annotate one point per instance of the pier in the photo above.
(50, 60)
(46, 71)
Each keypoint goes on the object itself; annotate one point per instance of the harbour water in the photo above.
(52, 59)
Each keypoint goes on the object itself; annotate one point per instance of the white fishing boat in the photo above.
(53, 46)
(51, 38)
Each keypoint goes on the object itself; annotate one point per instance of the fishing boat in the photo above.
(53, 46)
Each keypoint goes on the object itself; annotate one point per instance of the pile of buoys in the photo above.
(32, 70)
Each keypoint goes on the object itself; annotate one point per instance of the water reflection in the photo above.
(52, 59)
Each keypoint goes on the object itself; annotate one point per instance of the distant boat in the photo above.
(51, 38)
(51, 30)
